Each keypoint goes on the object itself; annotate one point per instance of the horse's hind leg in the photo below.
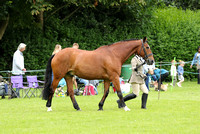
(70, 91)
(106, 92)
(52, 88)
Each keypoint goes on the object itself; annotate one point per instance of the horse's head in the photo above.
(145, 52)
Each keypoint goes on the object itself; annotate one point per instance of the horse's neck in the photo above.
(123, 50)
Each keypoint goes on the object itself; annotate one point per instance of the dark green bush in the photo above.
(171, 32)
(175, 33)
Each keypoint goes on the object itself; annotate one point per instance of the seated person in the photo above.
(80, 80)
(76, 81)
(95, 83)
(60, 86)
(3, 87)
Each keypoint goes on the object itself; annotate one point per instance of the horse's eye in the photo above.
(147, 47)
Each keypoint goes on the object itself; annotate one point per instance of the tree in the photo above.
(4, 16)
(22, 13)
(184, 4)
(37, 9)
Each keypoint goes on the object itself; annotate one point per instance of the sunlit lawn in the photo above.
(177, 111)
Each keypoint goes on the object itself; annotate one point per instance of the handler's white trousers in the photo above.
(137, 87)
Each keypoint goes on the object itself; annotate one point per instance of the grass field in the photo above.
(177, 111)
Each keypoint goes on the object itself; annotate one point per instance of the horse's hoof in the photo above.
(143, 108)
(79, 110)
(119, 104)
(126, 108)
(49, 109)
(100, 109)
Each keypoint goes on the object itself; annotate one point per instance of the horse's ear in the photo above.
(145, 39)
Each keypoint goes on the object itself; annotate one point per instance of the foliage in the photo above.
(89, 27)
(40, 6)
(184, 4)
(171, 32)
(5, 5)
(175, 33)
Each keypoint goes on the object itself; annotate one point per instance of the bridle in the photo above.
(146, 55)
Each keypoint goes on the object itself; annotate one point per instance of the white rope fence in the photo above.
(169, 64)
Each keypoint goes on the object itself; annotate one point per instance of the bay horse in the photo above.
(103, 63)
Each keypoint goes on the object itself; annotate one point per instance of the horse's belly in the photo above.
(91, 73)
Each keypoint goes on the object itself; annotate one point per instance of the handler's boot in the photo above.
(144, 100)
(126, 98)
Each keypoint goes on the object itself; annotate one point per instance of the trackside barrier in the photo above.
(6, 75)
(126, 68)
(169, 64)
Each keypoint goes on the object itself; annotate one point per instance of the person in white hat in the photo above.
(18, 62)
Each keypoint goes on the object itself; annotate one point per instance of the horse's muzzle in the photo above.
(150, 61)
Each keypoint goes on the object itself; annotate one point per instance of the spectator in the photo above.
(18, 62)
(75, 45)
(3, 87)
(60, 86)
(196, 60)
(173, 72)
(95, 83)
(137, 81)
(57, 49)
(86, 82)
(180, 73)
(146, 72)
(159, 75)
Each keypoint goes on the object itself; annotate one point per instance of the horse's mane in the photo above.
(122, 41)
(118, 42)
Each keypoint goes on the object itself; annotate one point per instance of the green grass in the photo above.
(177, 111)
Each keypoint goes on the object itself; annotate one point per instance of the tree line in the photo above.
(171, 26)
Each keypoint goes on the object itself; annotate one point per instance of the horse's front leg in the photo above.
(106, 92)
(71, 92)
(119, 93)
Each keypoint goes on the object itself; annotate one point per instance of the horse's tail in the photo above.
(48, 75)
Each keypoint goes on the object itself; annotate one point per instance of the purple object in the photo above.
(17, 82)
(33, 83)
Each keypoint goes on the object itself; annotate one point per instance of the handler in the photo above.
(137, 82)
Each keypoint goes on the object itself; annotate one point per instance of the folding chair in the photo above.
(17, 82)
(33, 83)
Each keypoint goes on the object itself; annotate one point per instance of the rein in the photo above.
(146, 55)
